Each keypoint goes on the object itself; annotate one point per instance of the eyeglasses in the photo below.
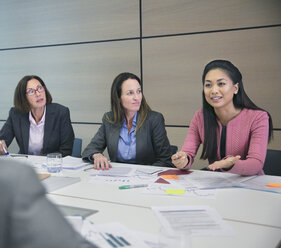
(31, 92)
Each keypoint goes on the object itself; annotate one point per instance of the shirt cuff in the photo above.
(90, 158)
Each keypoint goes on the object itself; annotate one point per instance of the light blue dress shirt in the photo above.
(127, 143)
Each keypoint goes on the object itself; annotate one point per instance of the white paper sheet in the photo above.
(115, 172)
(53, 183)
(199, 220)
(123, 180)
(210, 180)
(161, 189)
(72, 163)
(260, 182)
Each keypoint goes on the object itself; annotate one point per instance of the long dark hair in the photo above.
(20, 100)
(240, 101)
(116, 105)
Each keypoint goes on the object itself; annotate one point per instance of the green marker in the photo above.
(133, 186)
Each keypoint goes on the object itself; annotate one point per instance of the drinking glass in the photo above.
(54, 162)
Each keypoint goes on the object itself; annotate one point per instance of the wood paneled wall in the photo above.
(78, 47)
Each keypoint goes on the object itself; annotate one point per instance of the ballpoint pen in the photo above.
(133, 186)
(4, 149)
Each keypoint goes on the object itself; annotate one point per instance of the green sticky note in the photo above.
(175, 191)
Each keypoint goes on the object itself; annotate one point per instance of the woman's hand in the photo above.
(101, 162)
(224, 163)
(180, 159)
(3, 146)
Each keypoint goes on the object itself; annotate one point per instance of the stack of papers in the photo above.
(72, 163)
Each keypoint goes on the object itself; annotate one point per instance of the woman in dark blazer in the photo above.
(39, 126)
(131, 132)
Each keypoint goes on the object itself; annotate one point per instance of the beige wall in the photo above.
(78, 47)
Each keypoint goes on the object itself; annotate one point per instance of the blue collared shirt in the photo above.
(127, 143)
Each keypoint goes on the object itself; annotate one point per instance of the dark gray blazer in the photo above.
(27, 218)
(152, 144)
(58, 132)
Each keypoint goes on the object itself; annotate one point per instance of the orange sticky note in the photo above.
(170, 177)
(175, 191)
(275, 185)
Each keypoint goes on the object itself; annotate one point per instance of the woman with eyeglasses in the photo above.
(39, 126)
(131, 132)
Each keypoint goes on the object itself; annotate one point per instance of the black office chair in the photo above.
(173, 149)
(272, 164)
(77, 147)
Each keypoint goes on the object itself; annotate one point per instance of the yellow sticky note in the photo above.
(275, 185)
(175, 191)
(170, 177)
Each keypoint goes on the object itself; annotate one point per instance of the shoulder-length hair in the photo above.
(240, 101)
(116, 105)
(20, 100)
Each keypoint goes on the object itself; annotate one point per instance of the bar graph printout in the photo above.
(112, 235)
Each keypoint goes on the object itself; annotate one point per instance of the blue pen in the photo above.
(4, 149)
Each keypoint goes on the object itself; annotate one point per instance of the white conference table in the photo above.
(143, 220)
(233, 204)
(254, 215)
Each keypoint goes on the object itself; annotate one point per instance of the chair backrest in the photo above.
(272, 163)
(173, 149)
(77, 147)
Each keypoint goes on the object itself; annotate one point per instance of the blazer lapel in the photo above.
(49, 122)
(114, 138)
(25, 125)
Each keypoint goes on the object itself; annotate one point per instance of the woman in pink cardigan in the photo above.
(233, 130)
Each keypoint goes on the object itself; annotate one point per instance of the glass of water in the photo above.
(54, 162)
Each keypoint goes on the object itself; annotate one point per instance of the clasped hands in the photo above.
(180, 160)
(226, 163)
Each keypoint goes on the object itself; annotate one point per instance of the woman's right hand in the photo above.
(3, 144)
(180, 159)
(101, 162)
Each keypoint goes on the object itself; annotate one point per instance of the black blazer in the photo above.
(152, 144)
(58, 131)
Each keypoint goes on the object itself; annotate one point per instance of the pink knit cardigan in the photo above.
(246, 135)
